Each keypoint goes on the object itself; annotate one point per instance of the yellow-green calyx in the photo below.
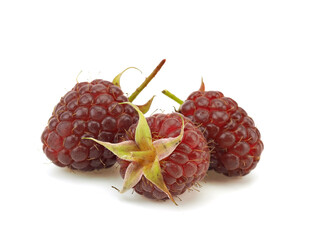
(144, 154)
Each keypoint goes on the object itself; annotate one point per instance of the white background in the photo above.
(263, 54)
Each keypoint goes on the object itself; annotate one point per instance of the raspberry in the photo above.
(232, 137)
(161, 156)
(90, 109)
(184, 167)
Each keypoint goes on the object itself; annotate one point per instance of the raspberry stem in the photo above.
(172, 96)
(146, 82)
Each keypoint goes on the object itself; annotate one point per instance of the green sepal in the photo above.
(152, 172)
(123, 150)
(143, 156)
(116, 80)
(145, 107)
(165, 146)
(143, 137)
(132, 176)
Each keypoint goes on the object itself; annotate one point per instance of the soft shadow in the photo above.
(214, 185)
(111, 173)
(191, 199)
(217, 178)
(214, 177)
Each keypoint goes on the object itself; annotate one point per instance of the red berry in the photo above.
(88, 110)
(232, 137)
(184, 167)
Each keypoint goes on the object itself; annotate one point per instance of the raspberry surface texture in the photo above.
(90, 109)
(234, 141)
(184, 167)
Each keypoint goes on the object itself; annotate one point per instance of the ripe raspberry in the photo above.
(161, 156)
(184, 167)
(232, 137)
(90, 110)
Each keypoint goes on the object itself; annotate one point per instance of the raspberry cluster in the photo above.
(95, 125)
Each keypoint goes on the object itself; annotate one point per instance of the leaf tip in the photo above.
(87, 138)
(116, 80)
(145, 107)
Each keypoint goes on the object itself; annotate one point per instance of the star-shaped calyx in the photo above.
(144, 154)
